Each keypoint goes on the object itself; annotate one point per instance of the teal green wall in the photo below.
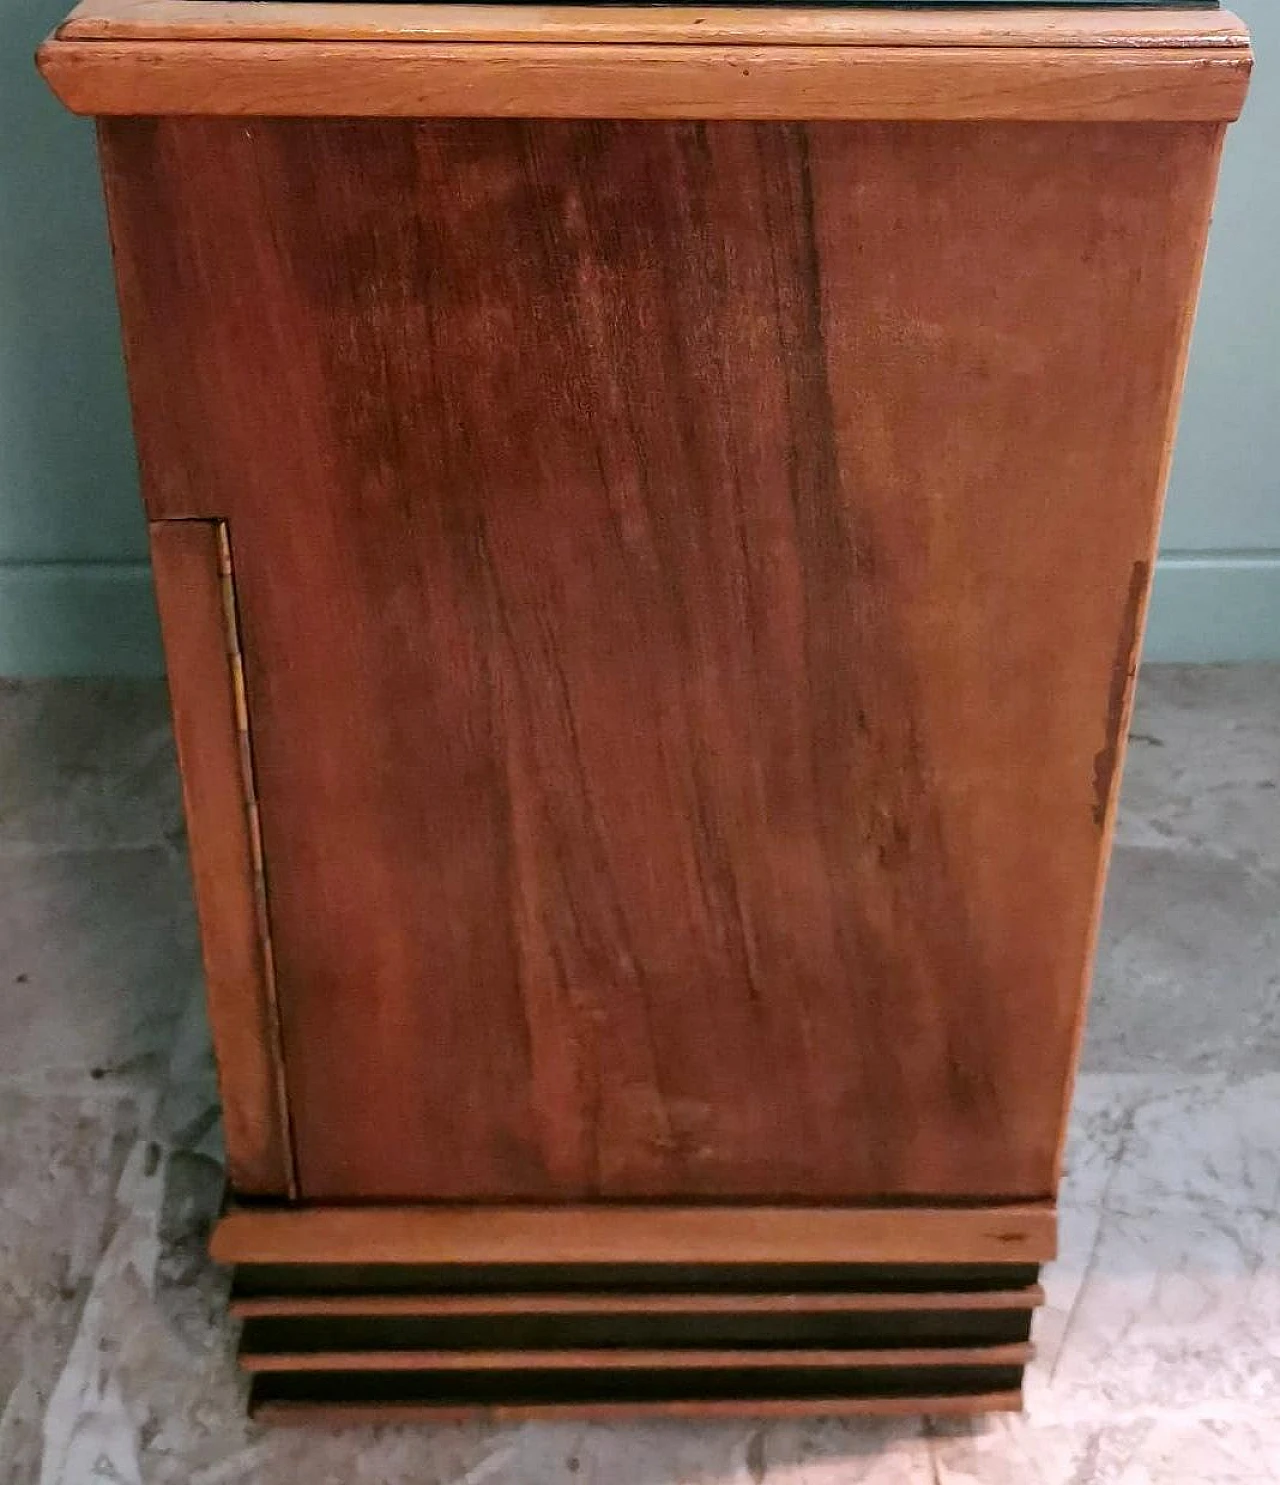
(74, 594)
(74, 589)
(1217, 591)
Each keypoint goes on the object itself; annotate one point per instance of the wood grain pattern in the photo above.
(249, 1306)
(199, 643)
(298, 20)
(1023, 1233)
(390, 79)
(1109, 761)
(628, 1359)
(717, 674)
(333, 1414)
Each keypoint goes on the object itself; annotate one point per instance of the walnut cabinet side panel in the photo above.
(690, 580)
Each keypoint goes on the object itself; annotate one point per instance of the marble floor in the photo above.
(1159, 1349)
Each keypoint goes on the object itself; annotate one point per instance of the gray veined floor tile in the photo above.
(1101, 1118)
(1188, 972)
(1015, 1451)
(1145, 1451)
(1166, 1301)
(86, 765)
(97, 959)
(852, 1451)
(1209, 1143)
(468, 1454)
(830, 1452)
(1203, 765)
(149, 1389)
(60, 1159)
(1177, 1312)
(187, 1113)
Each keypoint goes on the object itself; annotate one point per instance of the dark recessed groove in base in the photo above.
(318, 1333)
(463, 1278)
(611, 1340)
(532, 1389)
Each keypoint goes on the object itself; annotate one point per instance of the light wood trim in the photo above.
(266, 20)
(1016, 1233)
(482, 80)
(198, 625)
(1115, 742)
(436, 1306)
(688, 1358)
(363, 1414)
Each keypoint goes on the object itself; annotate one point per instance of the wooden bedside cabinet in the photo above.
(653, 512)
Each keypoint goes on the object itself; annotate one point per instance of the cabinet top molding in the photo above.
(228, 57)
(676, 25)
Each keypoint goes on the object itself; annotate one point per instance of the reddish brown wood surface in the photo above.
(616, 1234)
(194, 596)
(605, 1302)
(373, 79)
(144, 57)
(339, 1414)
(633, 1359)
(689, 576)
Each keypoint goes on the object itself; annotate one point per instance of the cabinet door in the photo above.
(689, 578)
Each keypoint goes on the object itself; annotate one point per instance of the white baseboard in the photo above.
(1215, 606)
